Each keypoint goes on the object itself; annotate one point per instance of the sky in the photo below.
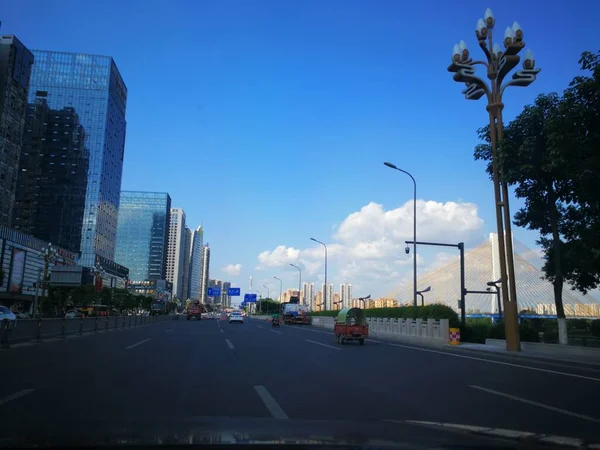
(269, 121)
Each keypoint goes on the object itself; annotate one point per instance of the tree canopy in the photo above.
(550, 154)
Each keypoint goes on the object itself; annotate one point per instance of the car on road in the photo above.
(7, 317)
(236, 317)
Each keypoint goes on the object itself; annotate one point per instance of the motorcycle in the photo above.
(275, 323)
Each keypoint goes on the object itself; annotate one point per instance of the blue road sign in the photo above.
(214, 291)
(233, 292)
(249, 298)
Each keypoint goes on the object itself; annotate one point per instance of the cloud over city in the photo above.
(367, 248)
(232, 269)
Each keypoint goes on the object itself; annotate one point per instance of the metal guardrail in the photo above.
(40, 329)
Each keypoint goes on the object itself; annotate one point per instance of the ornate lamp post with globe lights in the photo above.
(499, 62)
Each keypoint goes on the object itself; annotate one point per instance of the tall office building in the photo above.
(308, 294)
(196, 254)
(187, 253)
(225, 298)
(205, 273)
(142, 234)
(52, 180)
(176, 251)
(92, 87)
(15, 71)
(215, 284)
(328, 299)
(346, 295)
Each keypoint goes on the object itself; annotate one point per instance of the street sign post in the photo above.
(213, 292)
(233, 292)
(248, 298)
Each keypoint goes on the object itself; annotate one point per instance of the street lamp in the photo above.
(393, 166)
(324, 290)
(299, 280)
(280, 287)
(427, 289)
(498, 64)
(268, 291)
(495, 284)
(364, 300)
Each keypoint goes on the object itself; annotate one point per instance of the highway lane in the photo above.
(212, 368)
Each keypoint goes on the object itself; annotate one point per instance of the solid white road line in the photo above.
(15, 396)
(229, 344)
(502, 363)
(540, 405)
(324, 345)
(137, 343)
(276, 411)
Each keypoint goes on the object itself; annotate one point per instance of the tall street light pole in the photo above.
(495, 284)
(393, 166)
(498, 64)
(299, 281)
(324, 290)
(280, 287)
(268, 291)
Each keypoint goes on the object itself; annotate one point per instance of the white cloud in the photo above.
(232, 269)
(367, 248)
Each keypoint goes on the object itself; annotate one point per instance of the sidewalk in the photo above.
(593, 360)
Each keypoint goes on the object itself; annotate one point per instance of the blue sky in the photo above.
(268, 121)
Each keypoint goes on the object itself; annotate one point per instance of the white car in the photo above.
(236, 317)
(7, 317)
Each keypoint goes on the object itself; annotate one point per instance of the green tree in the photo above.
(557, 181)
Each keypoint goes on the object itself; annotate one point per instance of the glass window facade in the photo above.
(15, 70)
(142, 236)
(196, 254)
(92, 86)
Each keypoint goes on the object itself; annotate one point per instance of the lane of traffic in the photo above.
(436, 385)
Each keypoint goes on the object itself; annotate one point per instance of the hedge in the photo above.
(405, 312)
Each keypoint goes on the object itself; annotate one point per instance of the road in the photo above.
(211, 368)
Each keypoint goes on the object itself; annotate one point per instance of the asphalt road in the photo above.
(211, 368)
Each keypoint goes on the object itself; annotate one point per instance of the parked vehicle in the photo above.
(7, 317)
(158, 308)
(351, 325)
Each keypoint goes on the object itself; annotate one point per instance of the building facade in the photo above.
(52, 180)
(308, 294)
(176, 251)
(187, 253)
(205, 273)
(328, 299)
(16, 62)
(196, 255)
(346, 295)
(142, 234)
(93, 88)
(225, 298)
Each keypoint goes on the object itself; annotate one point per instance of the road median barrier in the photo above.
(39, 329)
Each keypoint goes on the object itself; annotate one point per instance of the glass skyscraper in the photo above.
(92, 88)
(196, 254)
(142, 235)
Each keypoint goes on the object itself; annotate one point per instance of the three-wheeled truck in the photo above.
(351, 325)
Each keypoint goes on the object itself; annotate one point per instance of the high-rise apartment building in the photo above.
(346, 295)
(215, 284)
(92, 87)
(176, 251)
(15, 71)
(308, 294)
(53, 175)
(142, 234)
(225, 298)
(196, 254)
(205, 273)
(328, 298)
(187, 253)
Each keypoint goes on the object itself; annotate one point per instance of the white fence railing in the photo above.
(423, 331)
